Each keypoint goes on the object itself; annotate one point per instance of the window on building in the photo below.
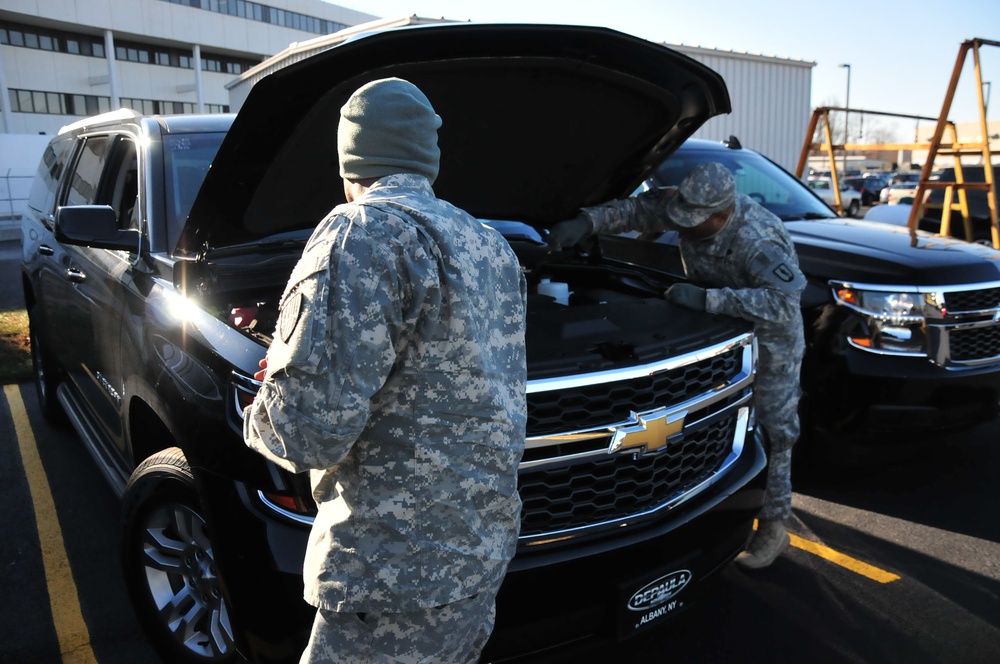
(255, 11)
(57, 103)
(59, 41)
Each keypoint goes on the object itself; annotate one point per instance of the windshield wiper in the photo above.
(259, 246)
(806, 216)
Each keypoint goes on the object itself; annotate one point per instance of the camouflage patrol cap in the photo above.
(707, 189)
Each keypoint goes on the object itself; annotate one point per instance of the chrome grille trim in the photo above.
(727, 404)
(739, 386)
(615, 375)
(742, 428)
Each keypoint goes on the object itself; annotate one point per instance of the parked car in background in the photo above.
(902, 329)
(869, 186)
(155, 253)
(850, 200)
(901, 192)
(907, 176)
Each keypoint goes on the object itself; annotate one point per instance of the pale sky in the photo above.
(902, 54)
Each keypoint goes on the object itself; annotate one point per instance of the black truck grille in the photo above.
(972, 300)
(605, 404)
(974, 343)
(618, 486)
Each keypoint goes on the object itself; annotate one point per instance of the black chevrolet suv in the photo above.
(155, 252)
(902, 328)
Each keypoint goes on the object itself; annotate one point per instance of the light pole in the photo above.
(847, 113)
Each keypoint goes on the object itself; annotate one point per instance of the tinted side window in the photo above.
(122, 186)
(43, 190)
(85, 179)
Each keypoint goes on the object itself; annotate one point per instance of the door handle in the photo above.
(75, 275)
(46, 250)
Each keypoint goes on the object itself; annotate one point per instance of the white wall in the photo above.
(21, 155)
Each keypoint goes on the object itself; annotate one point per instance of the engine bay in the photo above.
(583, 313)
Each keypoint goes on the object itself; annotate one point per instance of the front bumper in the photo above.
(551, 597)
(575, 597)
(870, 399)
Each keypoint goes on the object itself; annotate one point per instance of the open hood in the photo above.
(538, 121)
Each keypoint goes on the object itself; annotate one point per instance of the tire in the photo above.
(853, 208)
(46, 375)
(170, 572)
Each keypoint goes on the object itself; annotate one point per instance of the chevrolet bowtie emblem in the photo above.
(654, 430)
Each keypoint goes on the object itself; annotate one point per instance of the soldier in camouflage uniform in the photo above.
(744, 256)
(396, 377)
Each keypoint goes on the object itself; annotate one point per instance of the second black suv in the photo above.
(902, 328)
(157, 248)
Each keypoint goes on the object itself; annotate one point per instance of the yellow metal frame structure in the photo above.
(954, 192)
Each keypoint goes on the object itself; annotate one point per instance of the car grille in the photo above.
(969, 324)
(620, 486)
(603, 404)
(577, 475)
(974, 300)
(975, 343)
(576, 482)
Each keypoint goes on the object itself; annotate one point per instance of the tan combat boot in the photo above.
(770, 540)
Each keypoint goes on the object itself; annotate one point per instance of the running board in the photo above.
(90, 437)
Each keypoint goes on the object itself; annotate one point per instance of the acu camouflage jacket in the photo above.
(396, 377)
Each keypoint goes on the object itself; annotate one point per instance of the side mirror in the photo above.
(94, 226)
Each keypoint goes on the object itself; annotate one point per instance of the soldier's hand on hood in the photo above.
(687, 295)
(570, 232)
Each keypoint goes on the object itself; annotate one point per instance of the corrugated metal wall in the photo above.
(771, 99)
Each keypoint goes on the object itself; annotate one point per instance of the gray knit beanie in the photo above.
(388, 126)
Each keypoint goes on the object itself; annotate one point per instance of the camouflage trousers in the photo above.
(778, 412)
(453, 633)
(778, 496)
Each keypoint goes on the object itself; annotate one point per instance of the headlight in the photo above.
(892, 322)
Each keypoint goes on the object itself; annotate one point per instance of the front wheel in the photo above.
(46, 374)
(169, 565)
(853, 208)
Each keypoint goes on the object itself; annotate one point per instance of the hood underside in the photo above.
(538, 121)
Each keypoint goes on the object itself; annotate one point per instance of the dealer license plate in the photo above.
(652, 600)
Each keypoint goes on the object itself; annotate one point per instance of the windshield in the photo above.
(186, 158)
(757, 177)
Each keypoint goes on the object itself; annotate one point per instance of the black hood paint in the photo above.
(538, 121)
(874, 253)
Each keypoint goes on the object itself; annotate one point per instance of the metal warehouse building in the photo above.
(770, 98)
(67, 59)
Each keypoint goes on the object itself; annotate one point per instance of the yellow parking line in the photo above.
(837, 558)
(64, 603)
